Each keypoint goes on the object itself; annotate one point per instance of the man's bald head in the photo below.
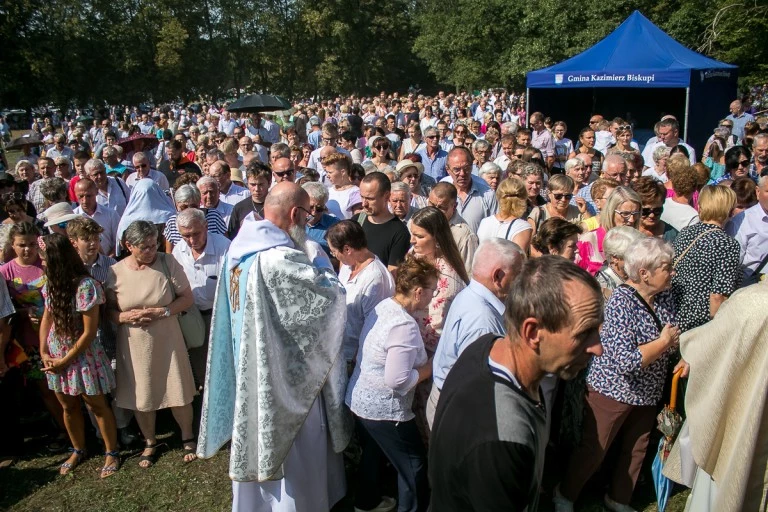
(327, 151)
(283, 206)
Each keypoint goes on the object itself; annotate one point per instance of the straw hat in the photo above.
(236, 175)
(405, 163)
(58, 213)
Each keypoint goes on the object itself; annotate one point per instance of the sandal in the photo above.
(189, 451)
(151, 458)
(66, 467)
(111, 469)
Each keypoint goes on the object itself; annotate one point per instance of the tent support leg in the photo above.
(527, 106)
(685, 119)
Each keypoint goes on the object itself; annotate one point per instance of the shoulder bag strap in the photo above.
(690, 246)
(167, 274)
(761, 266)
(647, 307)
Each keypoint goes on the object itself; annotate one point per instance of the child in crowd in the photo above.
(74, 361)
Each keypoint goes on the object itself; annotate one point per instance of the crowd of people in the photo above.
(455, 284)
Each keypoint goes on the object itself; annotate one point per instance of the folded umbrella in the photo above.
(669, 424)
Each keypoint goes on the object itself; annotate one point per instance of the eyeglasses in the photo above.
(743, 163)
(465, 170)
(646, 212)
(62, 225)
(310, 217)
(283, 174)
(332, 139)
(559, 197)
(318, 208)
(627, 215)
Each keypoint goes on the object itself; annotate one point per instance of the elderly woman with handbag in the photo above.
(626, 382)
(153, 369)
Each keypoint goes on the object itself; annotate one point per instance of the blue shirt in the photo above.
(318, 231)
(738, 123)
(434, 167)
(314, 138)
(475, 311)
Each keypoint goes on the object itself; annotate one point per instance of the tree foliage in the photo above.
(127, 51)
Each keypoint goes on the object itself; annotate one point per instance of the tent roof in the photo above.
(637, 53)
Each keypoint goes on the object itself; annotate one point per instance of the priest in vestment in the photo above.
(726, 404)
(276, 375)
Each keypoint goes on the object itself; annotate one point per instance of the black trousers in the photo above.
(401, 443)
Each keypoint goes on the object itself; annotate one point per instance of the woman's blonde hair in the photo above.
(716, 203)
(512, 197)
(618, 196)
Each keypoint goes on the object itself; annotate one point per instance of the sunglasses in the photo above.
(559, 197)
(743, 163)
(624, 127)
(283, 174)
(646, 212)
(15, 196)
(382, 147)
(431, 137)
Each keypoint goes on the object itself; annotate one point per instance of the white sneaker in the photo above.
(616, 507)
(561, 503)
(387, 504)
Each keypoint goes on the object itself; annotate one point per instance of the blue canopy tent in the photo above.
(640, 73)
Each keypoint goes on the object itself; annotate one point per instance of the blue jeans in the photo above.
(401, 443)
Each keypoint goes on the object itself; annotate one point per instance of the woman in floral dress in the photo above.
(432, 241)
(73, 358)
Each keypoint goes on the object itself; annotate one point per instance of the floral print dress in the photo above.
(91, 373)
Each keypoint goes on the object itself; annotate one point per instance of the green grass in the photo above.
(34, 485)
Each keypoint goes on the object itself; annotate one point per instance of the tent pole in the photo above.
(687, 104)
(527, 106)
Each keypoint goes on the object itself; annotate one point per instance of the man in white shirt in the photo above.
(228, 191)
(210, 197)
(111, 192)
(201, 254)
(329, 139)
(668, 135)
(739, 118)
(107, 218)
(750, 229)
(141, 164)
(476, 200)
(227, 124)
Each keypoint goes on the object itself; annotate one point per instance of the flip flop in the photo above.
(189, 451)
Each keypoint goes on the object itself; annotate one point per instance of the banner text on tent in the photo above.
(629, 77)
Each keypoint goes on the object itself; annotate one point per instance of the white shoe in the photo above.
(616, 507)
(387, 504)
(561, 503)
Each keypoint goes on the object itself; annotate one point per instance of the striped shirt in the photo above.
(216, 225)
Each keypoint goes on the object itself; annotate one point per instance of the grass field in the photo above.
(34, 485)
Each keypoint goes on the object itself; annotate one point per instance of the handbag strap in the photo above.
(647, 307)
(690, 246)
(167, 274)
(761, 266)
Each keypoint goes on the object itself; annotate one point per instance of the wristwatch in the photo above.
(167, 312)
